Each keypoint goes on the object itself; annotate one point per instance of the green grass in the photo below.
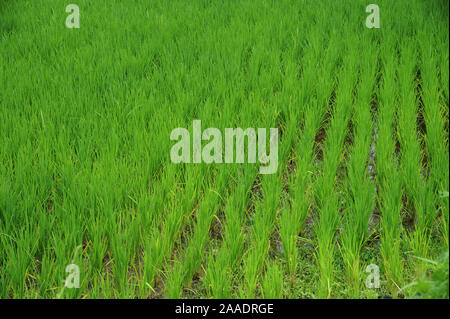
(85, 171)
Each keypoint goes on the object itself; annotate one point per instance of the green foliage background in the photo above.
(85, 120)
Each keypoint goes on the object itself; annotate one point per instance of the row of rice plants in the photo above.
(387, 172)
(293, 220)
(328, 201)
(436, 137)
(360, 195)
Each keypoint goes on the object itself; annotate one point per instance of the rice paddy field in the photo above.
(86, 178)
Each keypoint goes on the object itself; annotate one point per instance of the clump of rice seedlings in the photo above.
(272, 285)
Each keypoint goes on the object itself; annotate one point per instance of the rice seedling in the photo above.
(272, 283)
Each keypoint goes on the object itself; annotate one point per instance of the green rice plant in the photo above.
(272, 286)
